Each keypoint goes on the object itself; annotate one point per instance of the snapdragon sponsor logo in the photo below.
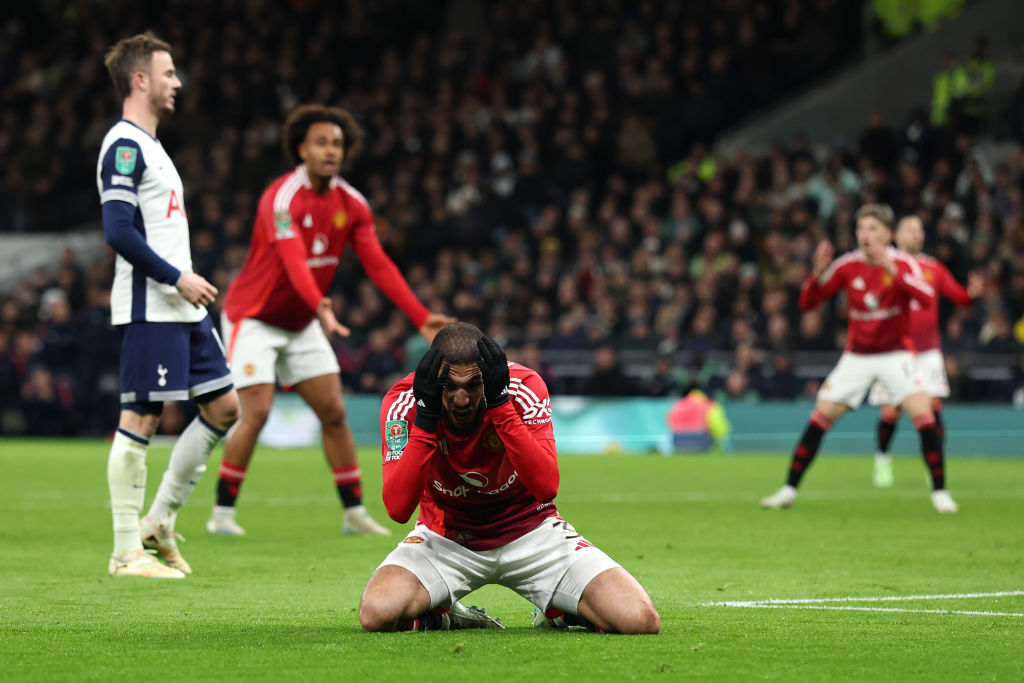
(462, 491)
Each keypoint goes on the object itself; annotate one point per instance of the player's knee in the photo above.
(644, 619)
(374, 618)
(334, 416)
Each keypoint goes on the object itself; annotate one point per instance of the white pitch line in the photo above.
(848, 608)
(818, 603)
(877, 598)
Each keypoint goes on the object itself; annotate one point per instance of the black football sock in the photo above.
(808, 446)
(931, 449)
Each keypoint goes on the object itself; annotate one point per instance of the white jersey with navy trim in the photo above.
(134, 168)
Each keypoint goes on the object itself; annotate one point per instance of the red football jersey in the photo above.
(878, 303)
(483, 490)
(924, 320)
(297, 242)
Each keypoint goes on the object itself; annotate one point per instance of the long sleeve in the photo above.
(292, 252)
(385, 274)
(950, 288)
(816, 290)
(532, 452)
(405, 477)
(914, 285)
(120, 233)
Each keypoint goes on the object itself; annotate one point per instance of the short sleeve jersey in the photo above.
(134, 168)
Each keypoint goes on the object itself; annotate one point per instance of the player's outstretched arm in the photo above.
(821, 284)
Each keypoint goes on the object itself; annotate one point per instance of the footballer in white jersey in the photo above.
(134, 168)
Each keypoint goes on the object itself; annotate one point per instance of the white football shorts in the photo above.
(851, 378)
(931, 367)
(259, 353)
(550, 566)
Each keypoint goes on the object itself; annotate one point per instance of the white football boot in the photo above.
(141, 563)
(358, 521)
(222, 522)
(882, 477)
(164, 541)
(783, 498)
(943, 502)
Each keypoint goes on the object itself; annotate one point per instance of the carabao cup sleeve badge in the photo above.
(396, 435)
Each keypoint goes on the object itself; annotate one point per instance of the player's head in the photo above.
(910, 234)
(874, 225)
(141, 66)
(326, 139)
(463, 397)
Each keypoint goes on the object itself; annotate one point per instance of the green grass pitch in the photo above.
(280, 604)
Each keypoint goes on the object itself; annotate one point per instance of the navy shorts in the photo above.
(172, 362)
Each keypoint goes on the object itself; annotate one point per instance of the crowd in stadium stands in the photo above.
(552, 185)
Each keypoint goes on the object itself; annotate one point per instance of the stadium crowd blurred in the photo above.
(549, 181)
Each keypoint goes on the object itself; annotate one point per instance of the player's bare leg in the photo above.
(824, 415)
(615, 602)
(126, 477)
(888, 418)
(323, 395)
(393, 598)
(255, 403)
(919, 407)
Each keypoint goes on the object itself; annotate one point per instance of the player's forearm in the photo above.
(389, 280)
(293, 256)
(810, 294)
(916, 288)
(120, 233)
(535, 460)
(405, 478)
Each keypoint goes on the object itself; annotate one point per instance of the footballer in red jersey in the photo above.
(276, 313)
(924, 333)
(468, 439)
(880, 284)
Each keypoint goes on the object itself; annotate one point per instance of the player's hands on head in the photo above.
(196, 290)
(494, 369)
(433, 324)
(427, 387)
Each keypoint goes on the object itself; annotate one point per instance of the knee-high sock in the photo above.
(931, 449)
(350, 487)
(126, 477)
(807, 448)
(188, 462)
(887, 422)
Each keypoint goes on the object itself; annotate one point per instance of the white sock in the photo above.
(188, 462)
(882, 456)
(126, 476)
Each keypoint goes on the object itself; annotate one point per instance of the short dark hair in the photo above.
(296, 126)
(129, 55)
(880, 211)
(457, 343)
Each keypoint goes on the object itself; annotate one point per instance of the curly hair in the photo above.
(129, 55)
(296, 126)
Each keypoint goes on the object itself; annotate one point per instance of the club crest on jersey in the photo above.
(887, 279)
(340, 218)
(283, 225)
(492, 441)
(124, 159)
(249, 369)
(413, 539)
(396, 435)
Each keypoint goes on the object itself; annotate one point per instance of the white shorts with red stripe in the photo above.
(849, 381)
(550, 566)
(259, 353)
(931, 367)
